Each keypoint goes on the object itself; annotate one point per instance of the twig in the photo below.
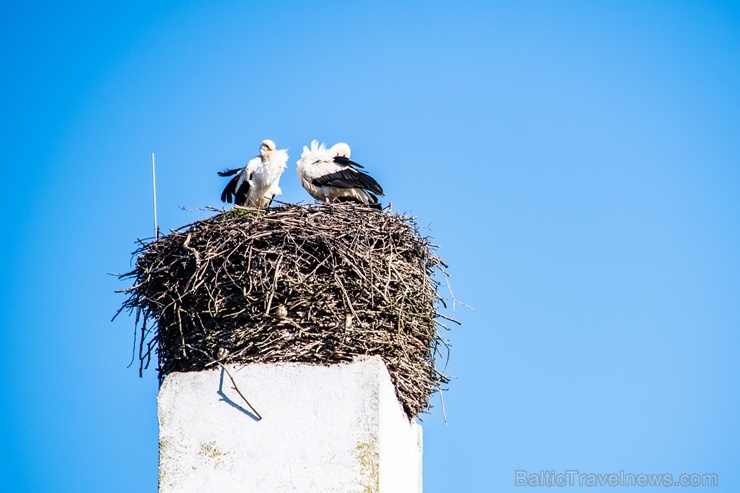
(233, 382)
(186, 246)
(235, 387)
(274, 285)
(455, 301)
(442, 401)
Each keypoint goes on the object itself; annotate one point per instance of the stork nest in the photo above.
(312, 284)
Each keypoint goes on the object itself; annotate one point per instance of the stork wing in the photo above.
(349, 178)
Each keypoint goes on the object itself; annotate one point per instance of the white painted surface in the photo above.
(336, 428)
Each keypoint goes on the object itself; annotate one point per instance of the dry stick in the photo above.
(235, 387)
(133, 348)
(455, 301)
(274, 285)
(448, 318)
(349, 302)
(141, 348)
(182, 334)
(186, 246)
(442, 401)
(233, 382)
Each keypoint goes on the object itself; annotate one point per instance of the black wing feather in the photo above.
(373, 201)
(240, 197)
(229, 172)
(349, 178)
(230, 190)
(344, 161)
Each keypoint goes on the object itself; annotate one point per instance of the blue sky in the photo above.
(577, 162)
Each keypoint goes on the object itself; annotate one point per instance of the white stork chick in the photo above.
(329, 175)
(256, 184)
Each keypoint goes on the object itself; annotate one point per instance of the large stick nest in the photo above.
(313, 284)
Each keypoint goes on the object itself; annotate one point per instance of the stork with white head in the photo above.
(257, 183)
(329, 175)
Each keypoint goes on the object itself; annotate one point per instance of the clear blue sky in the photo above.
(577, 161)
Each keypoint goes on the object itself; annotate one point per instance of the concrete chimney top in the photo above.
(336, 428)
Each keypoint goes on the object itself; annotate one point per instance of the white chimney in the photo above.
(335, 428)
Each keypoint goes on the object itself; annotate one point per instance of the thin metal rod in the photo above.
(154, 186)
